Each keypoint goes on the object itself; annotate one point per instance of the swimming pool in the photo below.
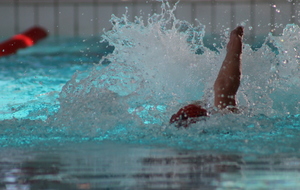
(78, 113)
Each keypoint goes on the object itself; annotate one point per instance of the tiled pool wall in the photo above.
(89, 17)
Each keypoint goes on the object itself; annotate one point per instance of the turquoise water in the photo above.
(78, 113)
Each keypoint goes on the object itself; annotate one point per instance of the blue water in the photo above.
(93, 113)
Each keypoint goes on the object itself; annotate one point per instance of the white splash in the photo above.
(154, 70)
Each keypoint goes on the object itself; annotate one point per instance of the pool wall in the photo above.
(89, 17)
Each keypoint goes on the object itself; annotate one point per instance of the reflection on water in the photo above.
(118, 166)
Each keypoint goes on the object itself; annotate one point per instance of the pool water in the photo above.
(113, 165)
(93, 113)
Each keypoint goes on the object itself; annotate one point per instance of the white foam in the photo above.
(154, 65)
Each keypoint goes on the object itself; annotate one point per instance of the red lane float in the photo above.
(188, 115)
(25, 39)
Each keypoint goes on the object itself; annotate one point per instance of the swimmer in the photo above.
(225, 86)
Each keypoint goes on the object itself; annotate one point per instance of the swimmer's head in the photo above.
(188, 115)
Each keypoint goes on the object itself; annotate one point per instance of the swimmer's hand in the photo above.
(188, 115)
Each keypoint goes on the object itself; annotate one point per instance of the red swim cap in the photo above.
(188, 115)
